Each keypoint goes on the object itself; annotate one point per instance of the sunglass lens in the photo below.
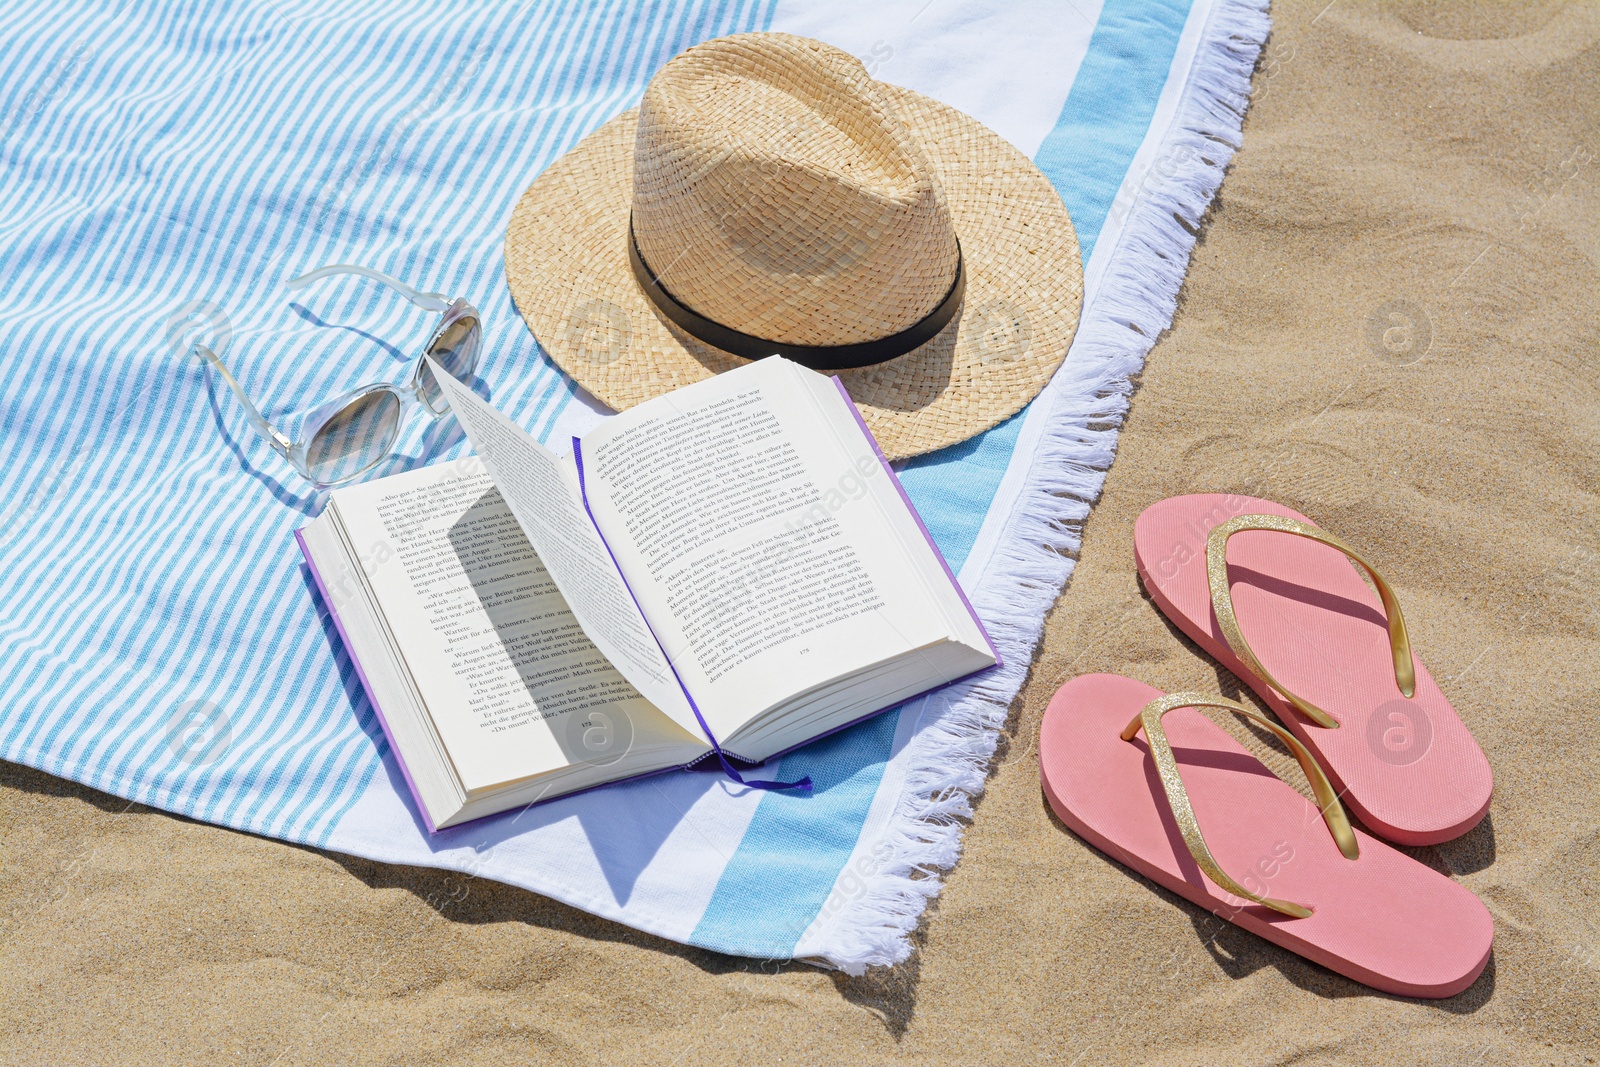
(456, 350)
(355, 439)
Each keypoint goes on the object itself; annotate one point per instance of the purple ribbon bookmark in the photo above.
(803, 784)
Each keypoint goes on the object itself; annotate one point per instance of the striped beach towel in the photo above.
(167, 165)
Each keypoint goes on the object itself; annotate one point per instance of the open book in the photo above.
(730, 564)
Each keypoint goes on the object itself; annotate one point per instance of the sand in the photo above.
(1443, 157)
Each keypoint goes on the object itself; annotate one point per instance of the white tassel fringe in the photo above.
(951, 750)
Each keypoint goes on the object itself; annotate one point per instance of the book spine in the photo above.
(728, 768)
(405, 772)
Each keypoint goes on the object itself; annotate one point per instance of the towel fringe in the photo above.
(878, 901)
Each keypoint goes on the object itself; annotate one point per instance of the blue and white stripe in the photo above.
(169, 165)
(175, 158)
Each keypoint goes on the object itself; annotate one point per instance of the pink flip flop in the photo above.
(1142, 789)
(1276, 599)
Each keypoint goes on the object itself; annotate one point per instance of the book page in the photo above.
(758, 546)
(513, 685)
(542, 493)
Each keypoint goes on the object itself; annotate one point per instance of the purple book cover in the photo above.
(894, 480)
(372, 698)
(399, 758)
(422, 809)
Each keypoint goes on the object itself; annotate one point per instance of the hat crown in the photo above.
(775, 191)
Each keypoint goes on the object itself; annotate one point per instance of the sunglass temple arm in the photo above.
(426, 301)
(278, 441)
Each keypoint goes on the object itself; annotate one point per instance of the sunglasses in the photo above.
(351, 434)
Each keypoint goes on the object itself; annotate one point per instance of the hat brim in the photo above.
(567, 264)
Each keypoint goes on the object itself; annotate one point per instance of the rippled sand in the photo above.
(1432, 161)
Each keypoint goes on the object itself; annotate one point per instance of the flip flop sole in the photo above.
(1409, 769)
(1384, 919)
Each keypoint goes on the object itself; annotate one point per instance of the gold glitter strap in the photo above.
(1178, 797)
(1405, 674)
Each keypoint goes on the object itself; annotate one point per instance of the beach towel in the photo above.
(169, 165)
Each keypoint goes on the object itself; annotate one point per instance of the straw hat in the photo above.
(769, 196)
